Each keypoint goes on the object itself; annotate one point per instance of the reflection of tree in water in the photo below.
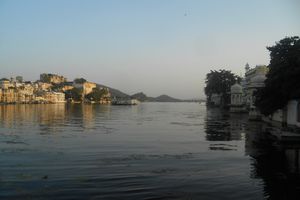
(12, 115)
(83, 117)
(47, 116)
(222, 126)
(276, 163)
(50, 117)
(53, 118)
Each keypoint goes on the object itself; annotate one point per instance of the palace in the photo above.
(243, 99)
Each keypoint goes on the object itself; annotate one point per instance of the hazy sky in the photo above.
(154, 46)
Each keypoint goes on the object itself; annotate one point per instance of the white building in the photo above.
(236, 98)
(254, 79)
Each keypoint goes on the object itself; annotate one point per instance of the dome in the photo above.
(236, 88)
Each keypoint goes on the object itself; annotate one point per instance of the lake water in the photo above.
(149, 151)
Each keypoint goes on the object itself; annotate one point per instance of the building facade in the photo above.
(254, 79)
(87, 87)
(54, 97)
(237, 104)
(52, 78)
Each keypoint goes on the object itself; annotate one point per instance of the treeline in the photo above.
(219, 82)
(76, 94)
(282, 81)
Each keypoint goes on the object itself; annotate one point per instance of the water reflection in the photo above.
(53, 118)
(154, 151)
(221, 125)
(276, 163)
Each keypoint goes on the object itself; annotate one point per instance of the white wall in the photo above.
(292, 113)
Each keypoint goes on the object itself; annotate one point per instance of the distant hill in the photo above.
(166, 98)
(140, 96)
(162, 98)
(115, 93)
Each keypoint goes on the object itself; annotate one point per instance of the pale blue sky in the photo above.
(154, 46)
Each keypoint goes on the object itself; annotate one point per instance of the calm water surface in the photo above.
(149, 151)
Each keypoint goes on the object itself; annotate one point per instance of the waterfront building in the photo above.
(25, 93)
(254, 79)
(67, 86)
(52, 78)
(87, 87)
(236, 98)
(8, 95)
(5, 83)
(43, 86)
(54, 97)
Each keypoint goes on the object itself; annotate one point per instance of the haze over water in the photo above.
(149, 151)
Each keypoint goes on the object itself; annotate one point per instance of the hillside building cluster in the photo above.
(51, 88)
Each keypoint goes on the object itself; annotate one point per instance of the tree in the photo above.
(96, 94)
(79, 80)
(74, 94)
(282, 83)
(219, 82)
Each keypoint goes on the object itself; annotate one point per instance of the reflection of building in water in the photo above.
(221, 126)
(277, 164)
(12, 114)
(45, 115)
(50, 117)
(49, 113)
(88, 116)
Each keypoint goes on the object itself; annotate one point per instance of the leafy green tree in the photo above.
(57, 87)
(80, 80)
(283, 80)
(96, 94)
(74, 94)
(219, 82)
